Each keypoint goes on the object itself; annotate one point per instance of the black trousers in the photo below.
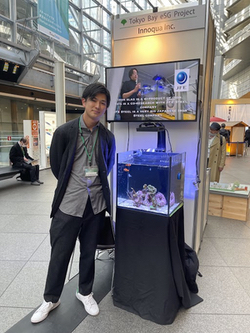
(32, 169)
(63, 235)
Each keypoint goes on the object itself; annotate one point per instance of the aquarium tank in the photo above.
(150, 181)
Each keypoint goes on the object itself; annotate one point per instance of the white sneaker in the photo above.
(43, 311)
(89, 303)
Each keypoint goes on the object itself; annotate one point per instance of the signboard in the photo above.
(34, 128)
(168, 21)
(53, 19)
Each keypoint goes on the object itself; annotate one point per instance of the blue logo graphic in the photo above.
(181, 77)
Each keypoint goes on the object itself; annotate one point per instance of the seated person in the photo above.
(19, 157)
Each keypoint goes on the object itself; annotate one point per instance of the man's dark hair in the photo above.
(223, 125)
(23, 140)
(130, 73)
(96, 88)
(215, 126)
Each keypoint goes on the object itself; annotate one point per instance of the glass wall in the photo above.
(89, 30)
(12, 113)
(5, 8)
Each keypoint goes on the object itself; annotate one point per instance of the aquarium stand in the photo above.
(149, 265)
(155, 127)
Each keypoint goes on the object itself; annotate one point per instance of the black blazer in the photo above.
(17, 155)
(62, 153)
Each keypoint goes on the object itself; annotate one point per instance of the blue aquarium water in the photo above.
(150, 181)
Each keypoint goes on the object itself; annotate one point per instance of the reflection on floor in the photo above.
(24, 252)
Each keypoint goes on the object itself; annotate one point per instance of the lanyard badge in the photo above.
(89, 171)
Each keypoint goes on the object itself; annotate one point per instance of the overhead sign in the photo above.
(182, 19)
(54, 19)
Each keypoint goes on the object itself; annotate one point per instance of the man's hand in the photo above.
(137, 87)
(221, 168)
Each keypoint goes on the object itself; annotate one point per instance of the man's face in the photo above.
(134, 76)
(95, 107)
(212, 133)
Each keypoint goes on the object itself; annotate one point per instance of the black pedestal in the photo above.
(149, 278)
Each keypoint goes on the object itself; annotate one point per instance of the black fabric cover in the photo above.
(107, 239)
(191, 268)
(149, 265)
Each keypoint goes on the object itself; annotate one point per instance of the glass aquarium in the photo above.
(150, 181)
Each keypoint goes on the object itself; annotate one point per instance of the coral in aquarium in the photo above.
(172, 199)
(149, 196)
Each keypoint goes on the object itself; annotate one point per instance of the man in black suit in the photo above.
(19, 157)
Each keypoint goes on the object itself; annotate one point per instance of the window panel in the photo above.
(45, 46)
(75, 2)
(26, 9)
(73, 59)
(60, 53)
(5, 8)
(74, 40)
(106, 58)
(24, 37)
(107, 39)
(90, 67)
(95, 34)
(106, 20)
(6, 30)
(74, 17)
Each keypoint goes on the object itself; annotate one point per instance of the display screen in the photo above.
(165, 91)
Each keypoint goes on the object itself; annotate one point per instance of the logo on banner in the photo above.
(181, 82)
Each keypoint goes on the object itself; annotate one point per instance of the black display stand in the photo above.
(149, 260)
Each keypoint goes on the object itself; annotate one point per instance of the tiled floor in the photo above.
(24, 254)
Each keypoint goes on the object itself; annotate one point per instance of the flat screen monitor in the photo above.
(166, 91)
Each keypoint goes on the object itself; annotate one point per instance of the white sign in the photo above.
(181, 80)
(175, 20)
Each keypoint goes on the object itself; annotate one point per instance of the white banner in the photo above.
(236, 112)
(182, 19)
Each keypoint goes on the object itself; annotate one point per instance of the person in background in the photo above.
(131, 88)
(216, 152)
(247, 137)
(130, 91)
(225, 132)
(19, 157)
(82, 154)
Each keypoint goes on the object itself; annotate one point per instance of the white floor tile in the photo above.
(19, 246)
(26, 290)
(9, 316)
(9, 270)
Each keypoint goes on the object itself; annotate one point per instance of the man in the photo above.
(216, 152)
(225, 132)
(247, 137)
(82, 154)
(19, 157)
(129, 93)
